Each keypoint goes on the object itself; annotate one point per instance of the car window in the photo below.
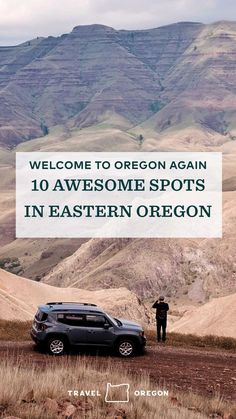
(72, 319)
(95, 320)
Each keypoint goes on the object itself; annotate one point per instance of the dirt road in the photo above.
(205, 373)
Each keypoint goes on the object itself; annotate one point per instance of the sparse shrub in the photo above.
(3, 262)
(46, 254)
(232, 137)
(44, 129)
(11, 265)
(140, 139)
(156, 106)
(15, 263)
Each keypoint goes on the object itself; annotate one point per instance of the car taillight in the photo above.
(141, 333)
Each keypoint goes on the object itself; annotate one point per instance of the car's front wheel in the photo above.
(56, 346)
(125, 348)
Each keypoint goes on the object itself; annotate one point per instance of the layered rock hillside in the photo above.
(178, 74)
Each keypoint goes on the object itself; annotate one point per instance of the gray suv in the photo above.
(59, 326)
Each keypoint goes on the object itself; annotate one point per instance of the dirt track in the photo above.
(205, 373)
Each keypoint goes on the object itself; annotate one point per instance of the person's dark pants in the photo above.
(161, 327)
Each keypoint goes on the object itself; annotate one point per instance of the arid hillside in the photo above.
(20, 297)
(209, 319)
(183, 270)
(35, 258)
(172, 77)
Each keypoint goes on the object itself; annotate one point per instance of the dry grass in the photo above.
(18, 379)
(14, 330)
(192, 341)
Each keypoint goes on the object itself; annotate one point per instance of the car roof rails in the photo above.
(70, 302)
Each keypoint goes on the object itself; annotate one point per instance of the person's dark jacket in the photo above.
(161, 310)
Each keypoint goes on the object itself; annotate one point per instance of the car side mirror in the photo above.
(106, 326)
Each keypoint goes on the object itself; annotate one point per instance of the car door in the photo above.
(99, 331)
(74, 326)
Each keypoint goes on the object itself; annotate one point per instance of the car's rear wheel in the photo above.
(125, 348)
(56, 346)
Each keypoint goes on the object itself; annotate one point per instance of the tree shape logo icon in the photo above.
(117, 393)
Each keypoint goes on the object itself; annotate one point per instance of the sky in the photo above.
(21, 20)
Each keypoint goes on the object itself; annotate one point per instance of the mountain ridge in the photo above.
(76, 78)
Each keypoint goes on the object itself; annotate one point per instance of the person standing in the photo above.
(161, 318)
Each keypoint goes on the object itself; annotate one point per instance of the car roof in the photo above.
(65, 306)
